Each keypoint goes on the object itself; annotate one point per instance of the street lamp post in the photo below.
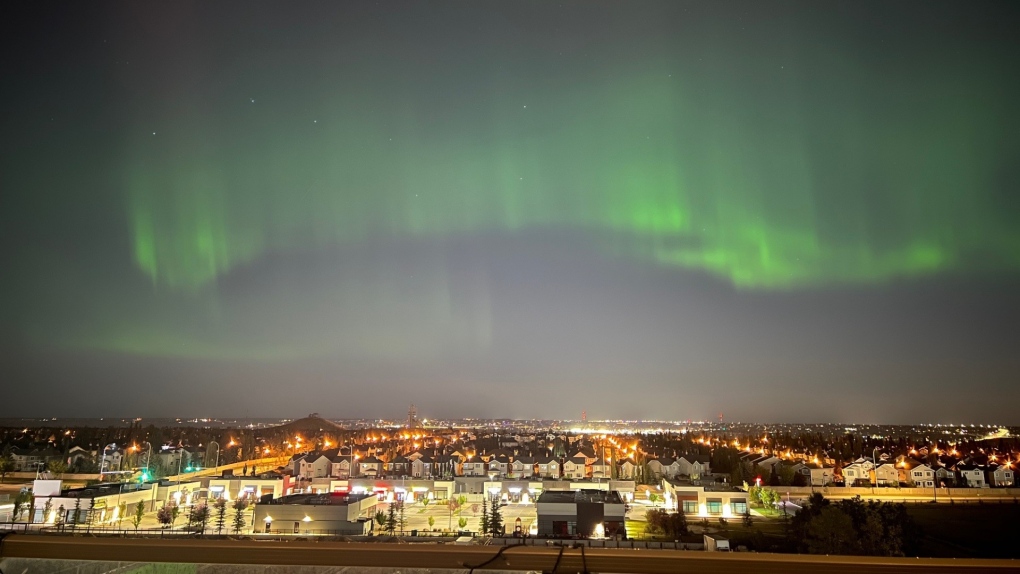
(148, 457)
(217, 464)
(102, 460)
(874, 465)
(180, 461)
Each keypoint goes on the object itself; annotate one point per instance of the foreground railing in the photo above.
(449, 556)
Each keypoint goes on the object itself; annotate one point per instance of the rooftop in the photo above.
(579, 496)
(335, 498)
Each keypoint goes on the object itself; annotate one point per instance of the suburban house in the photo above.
(922, 476)
(522, 467)
(340, 466)
(587, 453)
(695, 468)
(77, 454)
(887, 475)
(32, 459)
(314, 465)
(601, 469)
(474, 467)
(627, 469)
(399, 466)
(793, 469)
(663, 467)
(1000, 475)
(946, 476)
(858, 472)
(765, 462)
(821, 475)
(369, 466)
(421, 466)
(971, 475)
(499, 465)
(547, 467)
(575, 468)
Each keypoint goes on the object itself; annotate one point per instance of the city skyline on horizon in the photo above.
(401, 422)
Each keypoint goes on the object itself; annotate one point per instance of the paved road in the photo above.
(23, 548)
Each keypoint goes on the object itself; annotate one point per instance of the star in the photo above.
(252, 100)
(315, 121)
(525, 106)
(153, 133)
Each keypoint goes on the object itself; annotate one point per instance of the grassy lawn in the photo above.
(968, 530)
(765, 534)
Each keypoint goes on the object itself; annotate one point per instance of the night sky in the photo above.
(781, 211)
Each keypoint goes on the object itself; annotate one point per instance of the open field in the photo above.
(971, 530)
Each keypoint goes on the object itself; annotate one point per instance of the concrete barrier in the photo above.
(893, 491)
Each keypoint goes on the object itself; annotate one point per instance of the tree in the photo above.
(175, 511)
(165, 515)
(221, 515)
(90, 515)
(854, 527)
(653, 498)
(462, 522)
(57, 466)
(432, 522)
(76, 514)
(199, 518)
(764, 496)
(391, 519)
(663, 523)
(6, 465)
(831, 532)
(484, 526)
(22, 504)
(240, 505)
(121, 511)
(380, 519)
(495, 519)
(136, 520)
(401, 521)
(453, 507)
(785, 474)
(424, 504)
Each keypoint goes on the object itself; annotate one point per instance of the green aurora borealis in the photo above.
(672, 194)
(767, 189)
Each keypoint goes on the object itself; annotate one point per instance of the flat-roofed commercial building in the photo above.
(330, 513)
(723, 502)
(584, 513)
(106, 503)
(232, 487)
